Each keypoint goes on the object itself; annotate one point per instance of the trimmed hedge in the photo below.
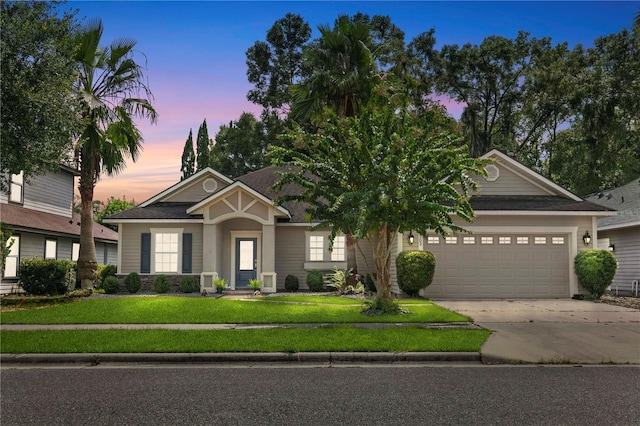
(315, 280)
(187, 285)
(414, 270)
(595, 270)
(162, 284)
(111, 285)
(291, 283)
(51, 277)
(132, 282)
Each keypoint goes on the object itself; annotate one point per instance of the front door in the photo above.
(246, 261)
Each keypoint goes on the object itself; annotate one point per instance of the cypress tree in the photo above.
(188, 158)
(203, 145)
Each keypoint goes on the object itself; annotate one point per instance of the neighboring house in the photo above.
(621, 234)
(522, 245)
(43, 224)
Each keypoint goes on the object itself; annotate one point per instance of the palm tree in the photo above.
(109, 86)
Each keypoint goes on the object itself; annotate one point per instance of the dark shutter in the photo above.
(186, 253)
(145, 254)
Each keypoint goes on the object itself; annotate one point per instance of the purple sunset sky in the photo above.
(196, 56)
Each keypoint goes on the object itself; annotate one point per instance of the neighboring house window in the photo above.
(13, 259)
(50, 249)
(486, 240)
(17, 188)
(339, 253)
(166, 252)
(504, 240)
(75, 251)
(316, 248)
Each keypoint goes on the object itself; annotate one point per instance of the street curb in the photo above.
(236, 358)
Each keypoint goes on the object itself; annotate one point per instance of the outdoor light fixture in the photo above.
(586, 238)
(612, 247)
(410, 238)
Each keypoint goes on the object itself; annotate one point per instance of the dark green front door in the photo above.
(246, 261)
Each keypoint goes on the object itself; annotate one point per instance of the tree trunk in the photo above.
(382, 259)
(87, 263)
(351, 253)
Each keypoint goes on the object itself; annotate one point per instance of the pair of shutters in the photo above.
(145, 253)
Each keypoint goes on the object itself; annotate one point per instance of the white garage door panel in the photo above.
(500, 270)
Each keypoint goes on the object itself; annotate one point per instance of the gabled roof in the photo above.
(625, 199)
(21, 218)
(184, 183)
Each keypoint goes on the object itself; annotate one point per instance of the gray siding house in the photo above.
(43, 224)
(522, 245)
(621, 234)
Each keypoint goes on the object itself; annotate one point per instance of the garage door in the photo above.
(499, 266)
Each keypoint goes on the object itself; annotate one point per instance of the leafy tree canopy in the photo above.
(240, 147)
(113, 206)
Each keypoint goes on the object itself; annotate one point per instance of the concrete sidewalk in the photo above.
(554, 331)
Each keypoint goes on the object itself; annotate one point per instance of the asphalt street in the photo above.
(356, 395)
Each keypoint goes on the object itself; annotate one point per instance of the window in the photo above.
(522, 240)
(316, 248)
(75, 251)
(540, 240)
(13, 258)
(16, 188)
(433, 240)
(557, 240)
(504, 240)
(50, 249)
(468, 240)
(451, 240)
(339, 253)
(486, 240)
(166, 252)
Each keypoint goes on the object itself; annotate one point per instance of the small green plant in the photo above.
(105, 271)
(111, 285)
(187, 285)
(338, 280)
(255, 284)
(595, 270)
(291, 283)
(369, 283)
(415, 271)
(162, 284)
(220, 283)
(315, 280)
(48, 276)
(132, 282)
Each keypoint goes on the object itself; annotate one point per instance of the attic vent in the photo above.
(209, 185)
(492, 172)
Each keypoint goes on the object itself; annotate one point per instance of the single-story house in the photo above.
(40, 215)
(621, 233)
(523, 243)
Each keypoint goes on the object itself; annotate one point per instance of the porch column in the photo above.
(209, 256)
(268, 275)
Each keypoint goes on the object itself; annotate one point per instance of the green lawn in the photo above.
(338, 339)
(196, 310)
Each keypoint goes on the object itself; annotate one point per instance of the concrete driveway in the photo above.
(554, 331)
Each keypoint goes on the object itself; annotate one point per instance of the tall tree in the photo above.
(240, 147)
(114, 92)
(38, 71)
(188, 158)
(203, 146)
(113, 206)
(386, 172)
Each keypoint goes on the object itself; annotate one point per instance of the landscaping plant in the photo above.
(46, 277)
(595, 270)
(291, 283)
(414, 270)
(111, 285)
(132, 282)
(162, 284)
(315, 280)
(187, 285)
(255, 284)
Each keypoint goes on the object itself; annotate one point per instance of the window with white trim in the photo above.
(540, 240)
(468, 240)
(316, 248)
(50, 249)
(522, 240)
(166, 252)
(557, 240)
(451, 240)
(16, 189)
(339, 253)
(504, 240)
(13, 258)
(433, 239)
(486, 240)
(75, 251)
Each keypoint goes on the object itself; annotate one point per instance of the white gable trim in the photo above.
(233, 186)
(531, 175)
(182, 184)
(542, 213)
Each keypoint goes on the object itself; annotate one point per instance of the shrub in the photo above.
(162, 284)
(338, 279)
(315, 280)
(111, 285)
(255, 284)
(415, 270)
(133, 282)
(40, 277)
(369, 283)
(219, 283)
(187, 285)
(105, 271)
(595, 270)
(291, 283)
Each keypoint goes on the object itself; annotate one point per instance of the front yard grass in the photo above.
(193, 310)
(334, 339)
